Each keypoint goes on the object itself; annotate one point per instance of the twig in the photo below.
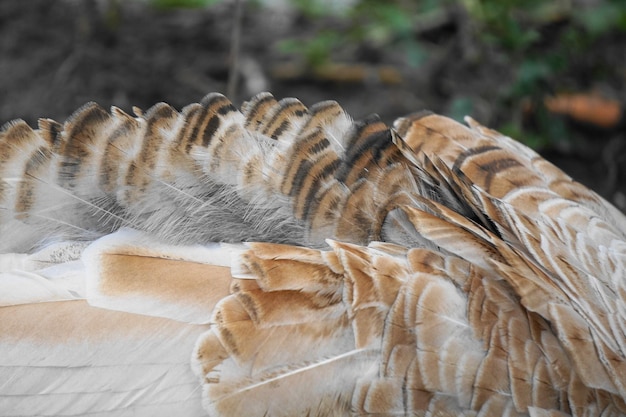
(235, 46)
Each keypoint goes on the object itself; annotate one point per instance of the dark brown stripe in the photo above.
(311, 194)
(158, 111)
(393, 202)
(284, 125)
(199, 130)
(189, 130)
(110, 161)
(84, 112)
(216, 106)
(326, 204)
(361, 126)
(218, 146)
(284, 106)
(188, 114)
(302, 150)
(493, 168)
(320, 146)
(227, 108)
(325, 106)
(50, 131)
(333, 207)
(370, 147)
(80, 137)
(321, 113)
(81, 131)
(500, 164)
(247, 301)
(157, 116)
(86, 117)
(122, 131)
(303, 170)
(213, 100)
(209, 130)
(25, 197)
(253, 111)
(472, 152)
(316, 178)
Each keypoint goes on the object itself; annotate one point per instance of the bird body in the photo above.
(307, 263)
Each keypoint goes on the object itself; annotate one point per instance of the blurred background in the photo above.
(551, 74)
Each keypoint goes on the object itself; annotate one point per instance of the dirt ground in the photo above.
(57, 55)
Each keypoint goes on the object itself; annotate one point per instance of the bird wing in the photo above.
(464, 274)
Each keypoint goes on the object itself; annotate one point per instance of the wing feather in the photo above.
(68, 358)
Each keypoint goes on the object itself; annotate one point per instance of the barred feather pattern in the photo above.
(429, 268)
(276, 171)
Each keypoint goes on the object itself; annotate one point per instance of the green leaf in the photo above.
(602, 19)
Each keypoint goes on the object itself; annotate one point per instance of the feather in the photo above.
(68, 358)
(309, 263)
(52, 274)
(128, 271)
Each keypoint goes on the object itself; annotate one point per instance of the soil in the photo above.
(57, 55)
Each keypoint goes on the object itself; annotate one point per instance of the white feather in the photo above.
(121, 275)
(68, 358)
